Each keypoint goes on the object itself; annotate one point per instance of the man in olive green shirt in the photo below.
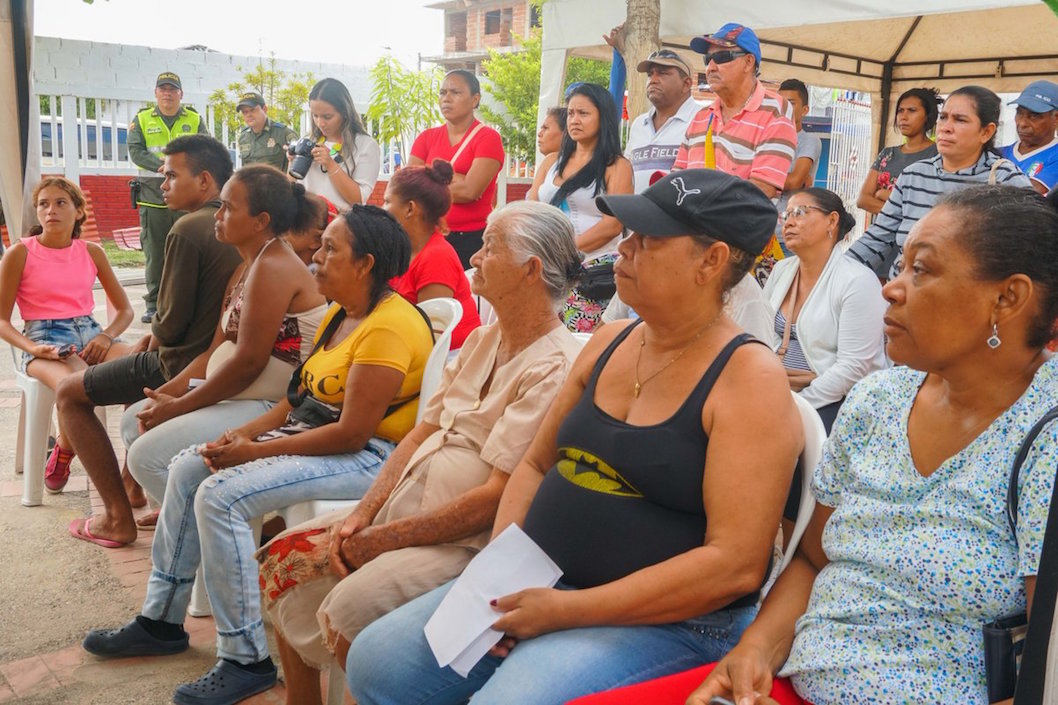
(149, 132)
(262, 141)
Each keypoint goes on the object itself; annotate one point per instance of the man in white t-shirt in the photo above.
(654, 137)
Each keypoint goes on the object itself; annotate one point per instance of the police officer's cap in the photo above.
(168, 78)
(250, 98)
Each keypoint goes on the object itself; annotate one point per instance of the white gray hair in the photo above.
(540, 230)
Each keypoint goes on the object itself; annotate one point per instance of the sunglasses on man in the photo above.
(724, 56)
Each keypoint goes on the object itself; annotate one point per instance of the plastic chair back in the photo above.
(815, 435)
(485, 312)
(445, 314)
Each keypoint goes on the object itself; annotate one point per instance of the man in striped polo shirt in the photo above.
(748, 131)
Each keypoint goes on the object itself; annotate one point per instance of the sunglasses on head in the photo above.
(663, 54)
(724, 56)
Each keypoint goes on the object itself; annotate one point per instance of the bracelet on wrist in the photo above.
(108, 336)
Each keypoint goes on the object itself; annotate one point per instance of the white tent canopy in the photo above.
(18, 153)
(879, 48)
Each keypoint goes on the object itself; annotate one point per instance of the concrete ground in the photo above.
(56, 588)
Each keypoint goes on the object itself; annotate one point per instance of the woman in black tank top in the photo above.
(656, 481)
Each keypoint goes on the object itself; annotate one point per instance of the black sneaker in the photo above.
(148, 316)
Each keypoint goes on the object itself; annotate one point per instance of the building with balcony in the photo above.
(472, 27)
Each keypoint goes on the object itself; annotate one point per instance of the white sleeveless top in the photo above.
(580, 207)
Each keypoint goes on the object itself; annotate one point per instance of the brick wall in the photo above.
(110, 202)
(456, 31)
(516, 191)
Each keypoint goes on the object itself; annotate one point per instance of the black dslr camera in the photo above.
(302, 153)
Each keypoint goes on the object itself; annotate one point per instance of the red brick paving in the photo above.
(45, 672)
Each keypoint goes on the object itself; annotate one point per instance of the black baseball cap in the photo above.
(168, 78)
(250, 98)
(698, 202)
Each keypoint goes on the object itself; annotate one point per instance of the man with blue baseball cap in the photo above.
(747, 131)
(1036, 151)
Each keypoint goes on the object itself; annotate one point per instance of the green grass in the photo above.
(123, 258)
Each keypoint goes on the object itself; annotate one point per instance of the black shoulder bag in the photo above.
(1012, 645)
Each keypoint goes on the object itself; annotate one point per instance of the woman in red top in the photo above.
(476, 155)
(418, 197)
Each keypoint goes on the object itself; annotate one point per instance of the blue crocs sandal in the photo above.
(131, 640)
(224, 684)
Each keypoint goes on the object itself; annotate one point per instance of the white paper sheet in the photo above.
(460, 631)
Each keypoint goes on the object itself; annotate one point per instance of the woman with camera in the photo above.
(50, 276)
(340, 161)
(475, 152)
(357, 398)
(588, 163)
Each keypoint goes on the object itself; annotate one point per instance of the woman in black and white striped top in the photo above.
(966, 130)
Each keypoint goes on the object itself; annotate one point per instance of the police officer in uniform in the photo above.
(150, 131)
(262, 141)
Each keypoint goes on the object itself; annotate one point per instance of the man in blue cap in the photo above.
(749, 126)
(1036, 151)
(748, 131)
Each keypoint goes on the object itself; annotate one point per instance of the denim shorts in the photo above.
(59, 332)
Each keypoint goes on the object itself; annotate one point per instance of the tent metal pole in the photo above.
(887, 82)
(887, 92)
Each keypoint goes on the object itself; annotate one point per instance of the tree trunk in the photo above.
(641, 38)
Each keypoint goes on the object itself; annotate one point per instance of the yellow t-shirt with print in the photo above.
(393, 335)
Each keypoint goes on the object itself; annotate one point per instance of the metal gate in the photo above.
(850, 153)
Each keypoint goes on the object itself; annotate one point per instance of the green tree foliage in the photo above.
(286, 97)
(403, 102)
(579, 69)
(514, 82)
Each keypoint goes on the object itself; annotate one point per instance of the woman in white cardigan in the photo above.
(828, 311)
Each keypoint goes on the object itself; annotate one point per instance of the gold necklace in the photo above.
(642, 343)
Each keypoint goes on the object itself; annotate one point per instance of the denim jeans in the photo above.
(391, 663)
(58, 332)
(206, 517)
(149, 455)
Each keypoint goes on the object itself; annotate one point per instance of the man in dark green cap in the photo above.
(150, 131)
(262, 141)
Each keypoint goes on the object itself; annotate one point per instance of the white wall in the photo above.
(127, 72)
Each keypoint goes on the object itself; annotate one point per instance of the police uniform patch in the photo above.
(271, 142)
(186, 128)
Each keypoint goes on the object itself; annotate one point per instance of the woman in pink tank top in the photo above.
(50, 276)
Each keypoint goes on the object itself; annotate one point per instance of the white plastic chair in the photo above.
(485, 312)
(815, 435)
(34, 425)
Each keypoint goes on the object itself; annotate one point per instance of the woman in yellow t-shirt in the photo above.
(357, 398)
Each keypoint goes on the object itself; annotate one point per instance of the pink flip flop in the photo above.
(79, 530)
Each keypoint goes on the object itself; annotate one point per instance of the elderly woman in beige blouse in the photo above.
(433, 503)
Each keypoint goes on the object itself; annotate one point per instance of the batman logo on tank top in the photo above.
(592, 473)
